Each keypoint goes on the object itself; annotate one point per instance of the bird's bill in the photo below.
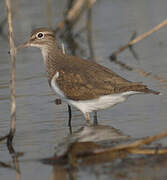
(21, 46)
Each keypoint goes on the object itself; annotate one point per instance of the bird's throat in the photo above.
(51, 59)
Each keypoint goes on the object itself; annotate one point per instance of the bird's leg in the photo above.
(87, 117)
(95, 122)
(69, 119)
(69, 115)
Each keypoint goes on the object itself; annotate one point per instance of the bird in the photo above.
(86, 85)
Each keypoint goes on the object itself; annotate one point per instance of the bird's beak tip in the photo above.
(21, 46)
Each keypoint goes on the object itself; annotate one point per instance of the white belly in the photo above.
(101, 103)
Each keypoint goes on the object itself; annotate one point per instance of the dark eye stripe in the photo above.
(50, 35)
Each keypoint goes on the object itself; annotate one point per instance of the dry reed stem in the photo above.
(149, 74)
(75, 12)
(89, 33)
(13, 67)
(134, 145)
(63, 48)
(148, 151)
(142, 72)
(139, 38)
(155, 29)
(49, 13)
(90, 41)
(16, 164)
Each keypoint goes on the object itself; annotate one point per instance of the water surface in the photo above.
(41, 124)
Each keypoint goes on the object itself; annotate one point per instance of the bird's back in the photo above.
(80, 79)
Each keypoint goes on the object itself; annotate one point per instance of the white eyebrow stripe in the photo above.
(48, 33)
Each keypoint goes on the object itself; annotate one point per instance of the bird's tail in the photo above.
(142, 88)
(146, 90)
(139, 88)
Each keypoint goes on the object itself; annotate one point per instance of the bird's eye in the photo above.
(40, 35)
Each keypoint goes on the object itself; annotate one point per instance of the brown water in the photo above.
(41, 124)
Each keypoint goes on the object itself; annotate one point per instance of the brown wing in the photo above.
(83, 80)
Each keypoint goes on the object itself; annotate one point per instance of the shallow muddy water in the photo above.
(41, 125)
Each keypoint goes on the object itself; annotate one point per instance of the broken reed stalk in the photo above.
(90, 42)
(134, 145)
(12, 73)
(139, 38)
(141, 72)
(148, 151)
(49, 13)
(75, 13)
(63, 48)
(16, 164)
(89, 33)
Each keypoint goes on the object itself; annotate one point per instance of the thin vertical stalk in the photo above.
(16, 163)
(49, 13)
(12, 73)
(89, 33)
(90, 44)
